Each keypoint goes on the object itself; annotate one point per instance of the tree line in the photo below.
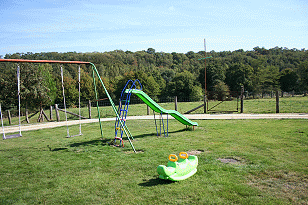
(161, 74)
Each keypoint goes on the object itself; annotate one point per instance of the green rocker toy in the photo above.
(178, 170)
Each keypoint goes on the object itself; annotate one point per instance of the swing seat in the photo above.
(12, 136)
(74, 135)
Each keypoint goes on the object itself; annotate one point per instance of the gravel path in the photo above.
(25, 127)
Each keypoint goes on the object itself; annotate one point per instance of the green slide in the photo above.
(154, 106)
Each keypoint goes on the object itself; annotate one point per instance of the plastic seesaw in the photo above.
(177, 170)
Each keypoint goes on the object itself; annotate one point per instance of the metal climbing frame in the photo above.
(161, 122)
(122, 110)
(95, 74)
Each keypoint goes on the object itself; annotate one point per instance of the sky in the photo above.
(134, 25)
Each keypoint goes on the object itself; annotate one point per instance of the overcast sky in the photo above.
(169, 26)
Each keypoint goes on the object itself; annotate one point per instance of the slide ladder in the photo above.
(122, 112)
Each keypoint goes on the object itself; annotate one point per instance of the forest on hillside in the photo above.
(161, 74)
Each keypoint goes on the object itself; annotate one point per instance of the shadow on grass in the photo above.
(155, 134)
(56, 149)
(155, 182)
(103, 142)
(92, 142)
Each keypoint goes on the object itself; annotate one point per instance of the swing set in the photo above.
(95, 75)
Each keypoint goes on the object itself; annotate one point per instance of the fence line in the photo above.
(285, 102)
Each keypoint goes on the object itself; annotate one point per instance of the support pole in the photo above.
(89, 107)
(242, 99)
(57, 112)
(97, 105)
(44, 115)
(176, 103)
(204, 99)
(277, 101)
(162, 120)
(148, 110)
(62, 80)
(50, 113)
(9, 117)
(79, 72)
(2, 123)
(27, 115)
(167, 125)
(18, 88)
(205, 91)
(155, 122)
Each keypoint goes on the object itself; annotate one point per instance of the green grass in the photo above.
(267, 105)
(44, 167)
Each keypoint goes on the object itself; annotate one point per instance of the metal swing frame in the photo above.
(63, 93)
(19, 122)
(95, 74)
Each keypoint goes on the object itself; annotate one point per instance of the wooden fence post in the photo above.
(176, 103)
(57, 112)
(277, 101)
(9, 117)
(204, 99)
(27, 115)
(50, 112)
(148, 110)
(89, 107)
(242, 99)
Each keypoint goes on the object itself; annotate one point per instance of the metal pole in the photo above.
(79, 100)
(155, 122)
(18, 85)
(67, 129)
(2, 123)
(205, 67)
(97, 105)
(205, 77)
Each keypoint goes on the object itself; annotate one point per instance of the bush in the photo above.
(196, 94)
(221, 91)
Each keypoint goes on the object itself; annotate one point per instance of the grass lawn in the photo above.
(269, 164)
(298, 104)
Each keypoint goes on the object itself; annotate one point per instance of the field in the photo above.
(240, 162)
(298, 104)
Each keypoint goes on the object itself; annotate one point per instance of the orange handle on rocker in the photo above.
(173, 158)
(183, 155)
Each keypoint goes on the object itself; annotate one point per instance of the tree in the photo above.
(168, 75)
(196, 93)
(303, 75)
(214, 73)
(70, 91)
(86, 86)
(181, 85)
(288, 80)
(270, 79)
(8, 86)
(149, 85)
(151, 51)
(33, 87)
(221, 91)
(49, 82)
(238, 75)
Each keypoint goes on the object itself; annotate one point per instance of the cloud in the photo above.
(171, 8)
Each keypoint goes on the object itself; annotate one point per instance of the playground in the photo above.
(254, 161)
(240, 161)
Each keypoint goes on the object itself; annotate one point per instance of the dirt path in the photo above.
(11, 129)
